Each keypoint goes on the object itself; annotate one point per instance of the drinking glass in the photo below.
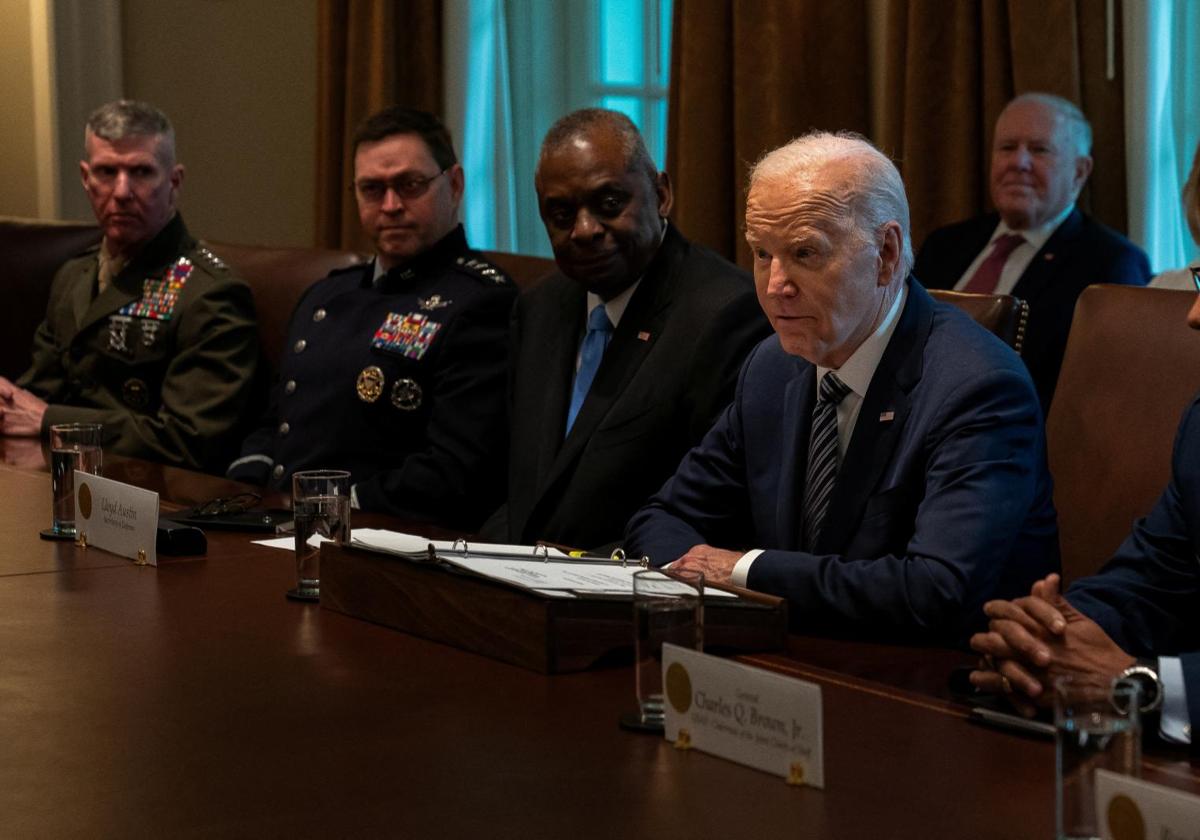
(73, 446)
(668, 606)
(321, 506)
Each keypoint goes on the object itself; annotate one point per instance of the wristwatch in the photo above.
(1147, 679)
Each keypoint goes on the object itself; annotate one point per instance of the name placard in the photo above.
(1131, 809)
(744, 714)
(116, 517)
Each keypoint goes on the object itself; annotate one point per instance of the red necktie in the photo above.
(987, 276)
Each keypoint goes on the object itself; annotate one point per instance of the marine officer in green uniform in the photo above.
(146, 333)
(395, 370)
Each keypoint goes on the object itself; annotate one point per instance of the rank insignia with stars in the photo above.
(409, 334)
(159, 297)
(433, 302)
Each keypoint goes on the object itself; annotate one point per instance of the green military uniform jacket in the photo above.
(166, 357)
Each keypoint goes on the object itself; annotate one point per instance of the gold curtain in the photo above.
(371, 54)
(748, 76)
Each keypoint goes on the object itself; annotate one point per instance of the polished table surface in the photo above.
(193, 700)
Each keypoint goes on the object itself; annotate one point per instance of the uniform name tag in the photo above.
(745, 714)
(116, 517)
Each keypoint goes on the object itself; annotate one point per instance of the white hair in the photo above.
(874, 192)
(1078, 128)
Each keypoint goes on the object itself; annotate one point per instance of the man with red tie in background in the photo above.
(1037, 246)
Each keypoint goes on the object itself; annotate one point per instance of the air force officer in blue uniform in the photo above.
(915, 487)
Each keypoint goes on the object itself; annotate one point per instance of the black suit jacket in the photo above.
(1081, 252)
(668, 371)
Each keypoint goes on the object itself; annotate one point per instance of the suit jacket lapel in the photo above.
(880, 421)
(1044, 269)
(561, 343)
(797, 408)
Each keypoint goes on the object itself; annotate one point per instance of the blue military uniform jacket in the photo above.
(399, 381)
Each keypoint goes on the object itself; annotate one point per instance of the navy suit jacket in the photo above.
(942, 500)
(667, 373)
(1147, 598)
(1081, 252)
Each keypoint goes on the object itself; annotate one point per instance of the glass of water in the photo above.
(321, 506)
(73, 446)
(668, 606)
(1096, 728)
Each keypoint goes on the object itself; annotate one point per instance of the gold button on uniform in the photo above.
(278, 471)
(300, 345)
(319, 315)
(290, 387)
(284, 428)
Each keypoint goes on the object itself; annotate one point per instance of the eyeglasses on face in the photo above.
(1195, 269)
(374, 190)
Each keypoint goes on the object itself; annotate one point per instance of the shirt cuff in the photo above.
(741, 569)
(1173, 723)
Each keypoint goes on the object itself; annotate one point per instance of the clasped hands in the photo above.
(21, 412)
(1034, 639)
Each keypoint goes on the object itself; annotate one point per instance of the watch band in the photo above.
(1151, 686)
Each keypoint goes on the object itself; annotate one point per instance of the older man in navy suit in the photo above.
(882, 465)
(1144, 603)
(1037, 245)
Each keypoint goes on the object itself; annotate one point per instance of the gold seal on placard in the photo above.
(370, 384)
(1125, 820)
(85, 500)
(406, 395)
(679, 687)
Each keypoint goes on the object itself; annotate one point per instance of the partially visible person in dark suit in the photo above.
(394, 370)
(1037, 246)
(623, 358)
(146, 333)
(882, 465)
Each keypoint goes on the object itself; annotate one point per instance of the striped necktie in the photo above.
(822, 456)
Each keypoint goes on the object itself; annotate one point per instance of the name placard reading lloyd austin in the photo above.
(116, 517)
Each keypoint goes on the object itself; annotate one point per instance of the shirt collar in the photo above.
(615, 307)
(1037, 236)
(857, 371)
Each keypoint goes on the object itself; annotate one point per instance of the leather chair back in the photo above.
(1004, 315)
(30, 252)
(1131, 367)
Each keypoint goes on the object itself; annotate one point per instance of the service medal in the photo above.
(149, 332)
(136, 394)
(406, 395)
(370, 384)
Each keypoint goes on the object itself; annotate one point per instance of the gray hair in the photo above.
(128, 118)
(1078, 127)
(582, 122)
(874, 191)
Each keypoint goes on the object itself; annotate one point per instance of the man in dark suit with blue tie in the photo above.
(882, 465)
(1037, 245)
(622, 359)
(1145, 602)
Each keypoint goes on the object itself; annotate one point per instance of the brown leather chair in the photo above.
(1004, 315)
(1131, 367)
(30, 252)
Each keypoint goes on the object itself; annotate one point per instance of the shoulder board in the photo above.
(208, 260)
(483, 270)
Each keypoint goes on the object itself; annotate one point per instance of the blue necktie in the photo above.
(822, 456)
(599, 332)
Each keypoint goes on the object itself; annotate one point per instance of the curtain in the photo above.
(1162, 108)
(748, 76)
(370, 54)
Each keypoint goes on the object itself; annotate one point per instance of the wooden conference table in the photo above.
(193, 700)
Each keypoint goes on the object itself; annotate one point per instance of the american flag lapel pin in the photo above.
(643, 336)
(887, 416)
